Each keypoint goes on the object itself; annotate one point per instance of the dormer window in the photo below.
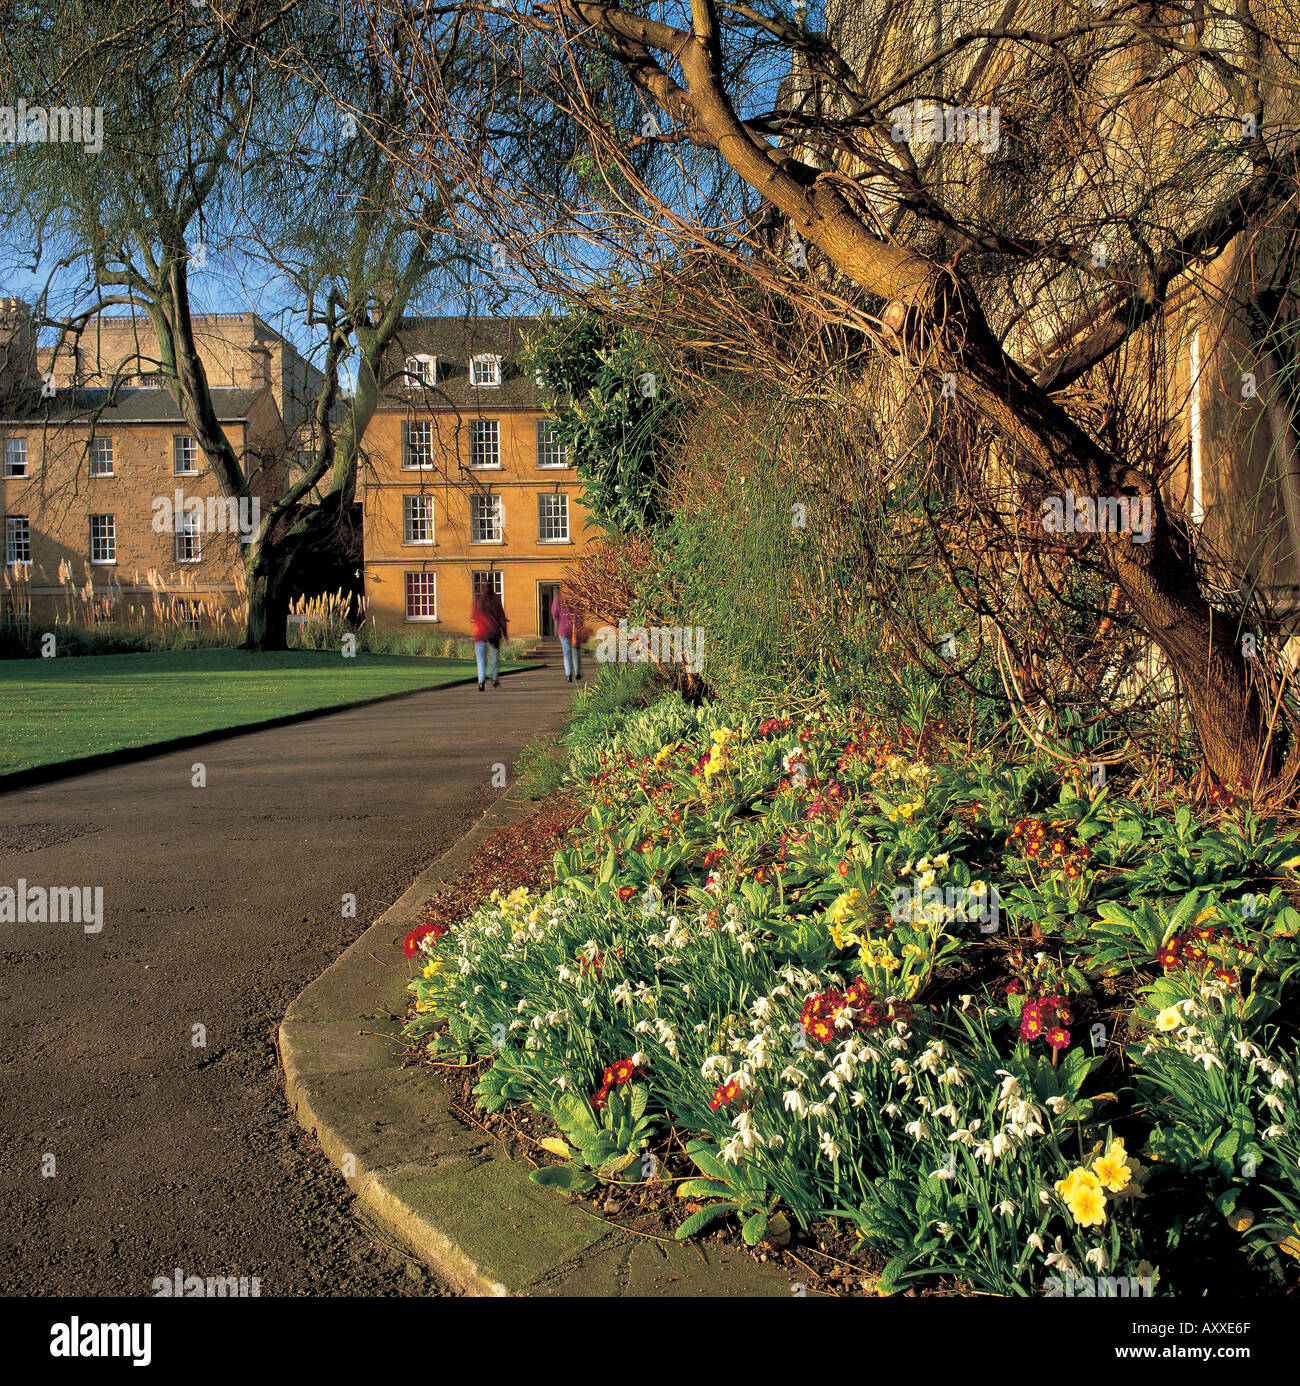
(485, 370)
(421, 370)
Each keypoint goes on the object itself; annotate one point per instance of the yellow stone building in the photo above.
(101, 480)
(465, 486)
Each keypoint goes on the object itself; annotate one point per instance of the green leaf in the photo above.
(569, 1178)
(755, 1228)
(556, 1147)
(640, 1096)
(702, 1188)
(697, 1222)
(894, 1276)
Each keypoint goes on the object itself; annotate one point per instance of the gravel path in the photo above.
(220, 904)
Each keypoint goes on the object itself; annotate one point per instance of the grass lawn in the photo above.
(53, 710)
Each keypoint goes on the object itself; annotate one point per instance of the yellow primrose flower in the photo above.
(1088, 1207)
(886, 962)
(432, 966)
(1112, 1167)
(1169, 1019)
(1076, 1181)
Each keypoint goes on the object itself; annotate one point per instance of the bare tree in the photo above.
(1005, 269)
(238, 135)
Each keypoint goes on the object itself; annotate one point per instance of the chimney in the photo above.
(17, 346)
(260, 356)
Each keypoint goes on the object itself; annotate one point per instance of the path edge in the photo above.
(418, 1184)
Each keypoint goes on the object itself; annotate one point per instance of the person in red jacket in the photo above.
(568, 626)
(490, 625)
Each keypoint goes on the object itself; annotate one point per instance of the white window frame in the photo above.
(410, 520)
(421, 370)
(107, 537)
(101, 451)
(485, 371)
(431, 581)
(189, 537)
(497, 584)
(16, 448)
(492, 427)
(185, 447)
(542, 498)
(497, 518)
(190, 612)
(426, 428)
(14, 537)
(547, 446)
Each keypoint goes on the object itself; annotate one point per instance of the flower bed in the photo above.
(1008, 1028)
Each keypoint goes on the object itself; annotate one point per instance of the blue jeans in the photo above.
(571, 656)
(481, 648)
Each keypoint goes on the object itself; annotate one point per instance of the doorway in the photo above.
(546, 594)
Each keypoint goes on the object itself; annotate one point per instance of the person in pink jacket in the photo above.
(568, 626)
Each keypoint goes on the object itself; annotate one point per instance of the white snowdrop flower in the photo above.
(562, 1083)
(522, 1007)
(1209, 1060)
(686, 989)
(896, 1042)
(518, 1023)
(984, 1151)
(1010, 1086)
(890, 1109)
(642, 1027)
(1006, 1208)
(916, 1130)
(1044, 1196)
(477, 990)
(924, 1101)
(962, 1136)
(564, 975)
(1058, 1104)
(1246, 1050)
(1098, 1259)
(949, 1111)
(733, 1151)
(775, 1142)
(1035, 1243)
(819, 1111)
(943, 1229)
(1002, 1145)
(763, 1008)
(791, 1074)
(965, 1001)
(943, 1172)
(588, 1003)
(1279, 1079)
(1274, 1100)
(952, 1077)
(746, 1130)
(872, 1056)
(1273, 1132)
(590, 949)
(900, 1066)
(830, 1147)
(929, 1060)
(794, 1102)
(622, 994)
(699, 1029)
(1060, 1258)
(833, 1081)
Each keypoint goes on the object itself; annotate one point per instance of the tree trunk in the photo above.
(267, 626)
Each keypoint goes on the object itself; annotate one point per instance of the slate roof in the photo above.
(133, 405)
(454, 341)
